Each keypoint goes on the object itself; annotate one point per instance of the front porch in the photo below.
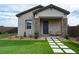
(51, 25)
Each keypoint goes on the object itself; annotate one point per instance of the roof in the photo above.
(26, 11)
(43, 8)
(52, 6)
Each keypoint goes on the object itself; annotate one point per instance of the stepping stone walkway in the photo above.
(58, 47)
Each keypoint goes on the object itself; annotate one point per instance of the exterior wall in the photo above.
(50, 13)
(64, 26)
(54, 26)
(21, 27)
(21, 24)
(39, 26)
(53, 13)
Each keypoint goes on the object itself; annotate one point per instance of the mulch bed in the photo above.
(22, 38)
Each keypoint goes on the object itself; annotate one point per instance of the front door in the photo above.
(45, 27)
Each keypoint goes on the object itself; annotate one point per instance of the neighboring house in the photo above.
(8, 30)
(43, 20)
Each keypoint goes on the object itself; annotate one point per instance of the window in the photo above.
(28, 24)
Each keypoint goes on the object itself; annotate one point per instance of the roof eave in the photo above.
(19, 14)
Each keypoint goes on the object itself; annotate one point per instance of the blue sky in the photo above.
(8, 12)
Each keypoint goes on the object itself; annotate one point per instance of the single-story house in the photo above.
(43, 20)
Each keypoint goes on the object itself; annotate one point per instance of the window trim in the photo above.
(26, 24)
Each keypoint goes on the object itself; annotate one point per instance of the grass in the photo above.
(72, 45)
(6, 35)
(30, 46)
(25, 47)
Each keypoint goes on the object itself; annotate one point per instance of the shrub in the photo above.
(24, 34)
(66, 37)
(36, 35)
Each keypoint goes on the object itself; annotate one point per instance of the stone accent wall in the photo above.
(64, 26)
(37, 25)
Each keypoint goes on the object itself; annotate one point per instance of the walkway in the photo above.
(58, 47)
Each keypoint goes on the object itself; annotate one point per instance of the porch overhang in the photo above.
(54, 17)
(63, 23)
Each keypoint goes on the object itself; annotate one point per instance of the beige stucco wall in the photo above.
(21, 24)
(50, 13)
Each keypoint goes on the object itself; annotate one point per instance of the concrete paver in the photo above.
(58, 51)
(50, 41)
(60, 44)
(69, 51)
(54, 46)
(64, 46)
(57, 41)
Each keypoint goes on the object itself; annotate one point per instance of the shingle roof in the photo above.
(26, 11)
(52, 6)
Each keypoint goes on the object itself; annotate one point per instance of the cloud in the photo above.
(75, 13)
(9, 23)
(73, 18)
(73, 21)
(40, 1)
(8, 12)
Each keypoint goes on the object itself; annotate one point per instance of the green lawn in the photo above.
(30, 46)
(6, 35)
(25, 47)
(72, 45)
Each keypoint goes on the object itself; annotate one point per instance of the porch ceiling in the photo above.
(50, 17)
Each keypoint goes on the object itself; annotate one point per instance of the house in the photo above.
(43, 20)
(8, 30)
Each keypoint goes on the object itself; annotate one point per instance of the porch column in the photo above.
(37, 25)
(64, 26)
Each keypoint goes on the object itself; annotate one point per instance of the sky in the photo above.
(9, 10)
(8, 13)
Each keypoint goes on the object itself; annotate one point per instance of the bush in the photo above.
(66, 37)
(36, 35)
(24, 34)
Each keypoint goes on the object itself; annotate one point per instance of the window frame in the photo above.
(26, 24)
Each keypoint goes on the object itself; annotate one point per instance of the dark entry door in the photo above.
(45, 27)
